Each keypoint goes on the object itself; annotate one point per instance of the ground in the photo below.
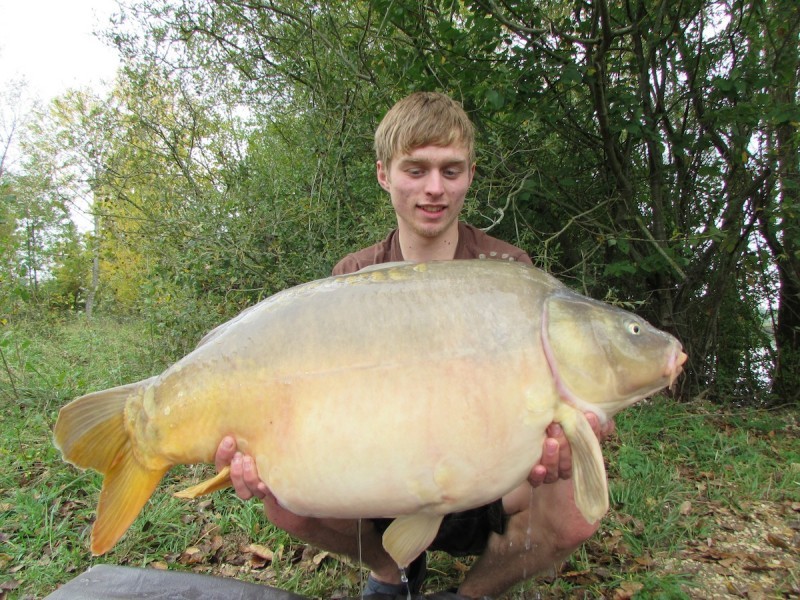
(750, 552)
(754, 554)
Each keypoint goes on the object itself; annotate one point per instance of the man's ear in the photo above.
(383, 175)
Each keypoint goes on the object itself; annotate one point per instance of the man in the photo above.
(425, 160)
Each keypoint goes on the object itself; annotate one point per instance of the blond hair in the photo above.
(423, 119)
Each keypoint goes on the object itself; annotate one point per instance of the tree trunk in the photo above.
(786, 381)
(95, 281)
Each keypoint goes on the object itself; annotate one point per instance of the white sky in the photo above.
(50, 44)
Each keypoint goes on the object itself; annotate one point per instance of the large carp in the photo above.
(407, 391)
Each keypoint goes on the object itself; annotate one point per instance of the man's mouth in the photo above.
(432, 209)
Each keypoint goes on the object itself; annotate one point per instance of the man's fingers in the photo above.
(238, 478)
(548, 468)
(601, 430)
(555, 431)
(553, 460)
(537, 475)
(225, 452)
(255, 486)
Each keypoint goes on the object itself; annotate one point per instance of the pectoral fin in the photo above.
(409, 536)
(588, 471)
(220, 481)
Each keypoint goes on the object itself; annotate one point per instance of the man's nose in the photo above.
(434, 184)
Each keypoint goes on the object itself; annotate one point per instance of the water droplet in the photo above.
(404, 581)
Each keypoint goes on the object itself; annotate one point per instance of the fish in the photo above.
(407, 391)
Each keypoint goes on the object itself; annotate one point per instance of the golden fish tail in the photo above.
(90, 433)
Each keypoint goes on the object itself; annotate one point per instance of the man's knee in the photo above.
(573, 531)
(562, 530)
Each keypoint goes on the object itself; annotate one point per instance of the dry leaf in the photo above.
(228, 571)
(736, 589)
(644, 560)
(778, 541)
(192, 555)
(261, 551)
(627, 590)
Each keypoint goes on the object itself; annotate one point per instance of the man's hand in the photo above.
(556, 461)
(244, 474)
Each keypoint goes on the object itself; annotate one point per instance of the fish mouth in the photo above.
(675, 366)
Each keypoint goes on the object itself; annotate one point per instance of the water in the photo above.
(360, 562)
(403, 574)
(528, 542)
(529, 530)
(404, 581)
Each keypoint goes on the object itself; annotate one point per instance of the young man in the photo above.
(425, 160)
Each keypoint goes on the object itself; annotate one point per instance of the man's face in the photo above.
(427, 187)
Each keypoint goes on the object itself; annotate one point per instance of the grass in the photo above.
(671, 468)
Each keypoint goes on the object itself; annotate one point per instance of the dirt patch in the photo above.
(754, 553)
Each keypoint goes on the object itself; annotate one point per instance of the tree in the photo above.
(779, 27)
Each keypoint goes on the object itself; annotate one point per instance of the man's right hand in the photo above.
(244, 473)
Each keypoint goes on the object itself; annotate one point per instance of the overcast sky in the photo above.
(50, 44)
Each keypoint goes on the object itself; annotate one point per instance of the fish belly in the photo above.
(394, 444)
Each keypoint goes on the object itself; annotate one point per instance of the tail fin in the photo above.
(91, 433)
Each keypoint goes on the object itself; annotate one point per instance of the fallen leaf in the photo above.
(256, 562)
(229, 571)
(644, 560)
(261, 551)
(627, 590)
(11, 584)
(778, 541)
(192, 555)
(736, 589)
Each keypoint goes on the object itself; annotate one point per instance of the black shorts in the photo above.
(464, 533)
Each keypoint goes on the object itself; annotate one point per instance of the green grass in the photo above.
(665, 457)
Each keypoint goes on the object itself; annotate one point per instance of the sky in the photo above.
(50, 44)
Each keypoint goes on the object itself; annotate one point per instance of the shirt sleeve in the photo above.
(349, 264)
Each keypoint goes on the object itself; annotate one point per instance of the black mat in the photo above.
(106, 582)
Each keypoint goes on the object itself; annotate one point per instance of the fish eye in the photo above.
(634, 328)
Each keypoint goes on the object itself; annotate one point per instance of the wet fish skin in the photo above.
(384, 393)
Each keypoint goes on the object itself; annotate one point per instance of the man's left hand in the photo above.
(556, 461)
